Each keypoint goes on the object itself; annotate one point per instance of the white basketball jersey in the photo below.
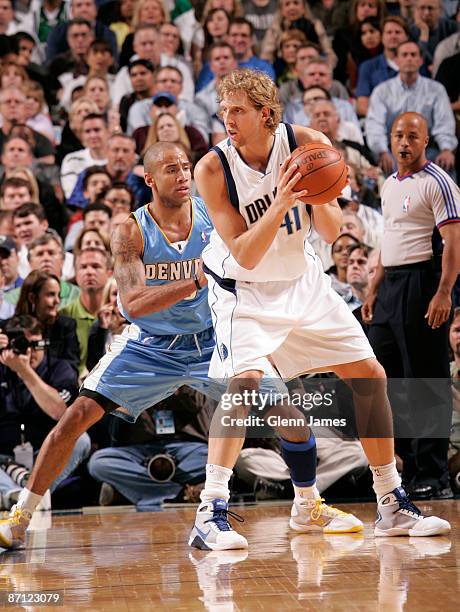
(252, 192)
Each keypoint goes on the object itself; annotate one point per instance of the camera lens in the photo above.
(161, 468)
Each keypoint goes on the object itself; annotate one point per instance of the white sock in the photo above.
(306, 493)
(216, 485)
(28, 501)
(386, 478)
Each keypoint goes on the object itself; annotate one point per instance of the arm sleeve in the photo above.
(443, 128)
(363, 87)
(64, 379)
(443, 195)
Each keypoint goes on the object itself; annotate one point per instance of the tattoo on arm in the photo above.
(128, 268)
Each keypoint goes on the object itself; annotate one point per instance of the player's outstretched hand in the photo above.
(438, 309)
(289, 176)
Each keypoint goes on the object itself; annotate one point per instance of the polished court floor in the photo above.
(123, 560)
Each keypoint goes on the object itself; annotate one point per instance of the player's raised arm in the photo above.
(137, 299)
(247, 245)
(327, 218)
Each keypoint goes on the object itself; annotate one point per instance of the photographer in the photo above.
(35, 390)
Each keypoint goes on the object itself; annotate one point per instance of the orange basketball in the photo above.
(324, 172)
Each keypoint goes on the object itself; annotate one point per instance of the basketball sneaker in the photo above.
(13, 529)
(314, 515)
(397, 516)
(212, 531)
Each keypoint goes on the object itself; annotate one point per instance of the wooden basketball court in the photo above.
(123, 560)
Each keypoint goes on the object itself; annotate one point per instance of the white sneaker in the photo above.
(314, 515)
(212, 531)
(13, 529)
(398, 516)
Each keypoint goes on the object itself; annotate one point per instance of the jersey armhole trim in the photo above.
(231, 186)
(140, 231)
(291, 137)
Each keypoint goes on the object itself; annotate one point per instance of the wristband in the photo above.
(197, 282)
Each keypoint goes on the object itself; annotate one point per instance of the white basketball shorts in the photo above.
(303, 325)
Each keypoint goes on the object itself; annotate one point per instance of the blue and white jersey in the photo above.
(252, 192)
(165, 262)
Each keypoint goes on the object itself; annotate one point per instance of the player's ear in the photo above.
(149, 180)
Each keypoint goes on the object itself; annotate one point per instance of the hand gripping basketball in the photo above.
(289, 177)
(323, 172)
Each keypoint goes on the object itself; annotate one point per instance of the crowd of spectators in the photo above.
(86, 86)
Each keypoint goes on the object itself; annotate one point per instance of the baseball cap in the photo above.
(164, 96)
(7, 244)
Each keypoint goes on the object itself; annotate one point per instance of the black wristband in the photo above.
(197, 282)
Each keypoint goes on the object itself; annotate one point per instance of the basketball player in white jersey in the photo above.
(274, 312)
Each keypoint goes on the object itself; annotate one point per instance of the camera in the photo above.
(19, 344)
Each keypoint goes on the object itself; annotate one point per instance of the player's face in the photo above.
(242, 121)
(172, 178)
(408, 141)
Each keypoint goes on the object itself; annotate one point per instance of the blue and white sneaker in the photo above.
(398, 516)
(212, 531)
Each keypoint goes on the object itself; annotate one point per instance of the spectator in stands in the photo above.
(215, 30)
(36, 116)
(353, 225)
(94, 135)
(37, 392)
(447, 47)
(166, 128)
(9, 263)
(119, 198)
(358, 274)
(97, 217)
(338, 271)
(285, 62)
(240, 38)
(81, 10)
(90, 238)
(367, 47)
(71, 133)
(369, 218)
(73, 61)
(295, 14)
(46, 254)
(47, 16)
(430, 28)
(411, 91)
(14, 192)
(347, 36)
(182, 438)
(141, 74)
(10, 24)
(29, 221)
(121, 158)
(93, 268)
(316, 72)
(109, 323)
(40, 297)
(261, 14)
(222, 60)
(148, 12)
(147, 46)
(383, 67)
(96, 88)
(168, 79)
(13, 112)
(445, 75)
(12, 75)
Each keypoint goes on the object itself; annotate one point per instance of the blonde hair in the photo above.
(140, 5)
(76, 105)
(259, 88)
(107, 289)
(34, 89)
(79, 240)
(152, 135)
(19, 172)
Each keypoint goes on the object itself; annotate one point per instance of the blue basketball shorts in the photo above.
(139, 370)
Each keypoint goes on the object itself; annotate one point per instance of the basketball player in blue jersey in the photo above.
(162, 292)
(274, 311)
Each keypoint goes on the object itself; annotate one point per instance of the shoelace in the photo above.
(406, 504)
(319, 505)
(219, 517)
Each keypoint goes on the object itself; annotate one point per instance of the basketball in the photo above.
(324, 172)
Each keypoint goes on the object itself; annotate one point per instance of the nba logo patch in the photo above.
(204, 236)
(406, 204)
(223, 351)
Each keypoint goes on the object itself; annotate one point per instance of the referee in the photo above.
(409, 302)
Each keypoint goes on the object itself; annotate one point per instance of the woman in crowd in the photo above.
(71, 133)
(37, 112)
(367, 46)
(153, 12)
(284, 65)
(91, 239)
(338, 271)
(295, 14)
(215, 29)
(39, 298)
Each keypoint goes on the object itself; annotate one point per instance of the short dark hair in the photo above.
(15, 137)
(16, 39)
(409, 42)
(25, 322)
(362, 247)
(107, 256)
(325, 91)
(161, 68)
(78, 21)
(30, 208)
(93, 170)
(99, 116)
(241, 21)
(100, 45)
(124, 186)
(97, 206)
(141, 62)
(220, 45)
(14, 181)
(396, 19)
